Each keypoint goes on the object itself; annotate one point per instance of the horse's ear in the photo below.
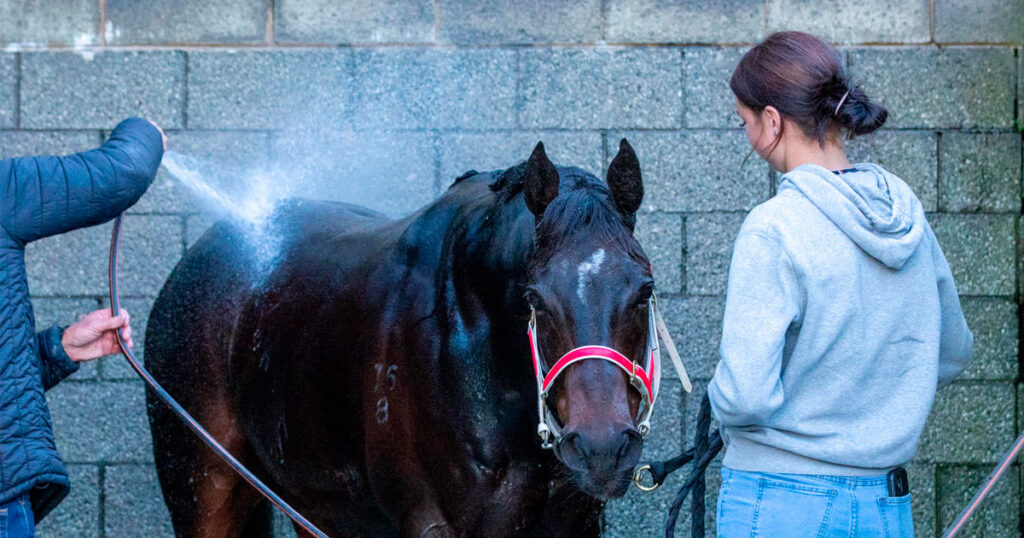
(540, 184)
(624, 180)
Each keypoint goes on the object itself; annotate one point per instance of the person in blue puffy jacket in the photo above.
(41, 197)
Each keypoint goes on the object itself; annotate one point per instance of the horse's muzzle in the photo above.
(602, 465)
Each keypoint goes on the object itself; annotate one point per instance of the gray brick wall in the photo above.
(402, 96)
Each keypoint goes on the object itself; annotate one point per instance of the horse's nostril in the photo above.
(624, 448)
(573, 450)
(629, 450)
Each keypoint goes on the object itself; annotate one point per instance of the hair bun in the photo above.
(856, 112)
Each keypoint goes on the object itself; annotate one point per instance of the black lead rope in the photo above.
(180, 411)
(706, 445)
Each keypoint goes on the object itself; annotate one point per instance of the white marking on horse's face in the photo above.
(586, 270)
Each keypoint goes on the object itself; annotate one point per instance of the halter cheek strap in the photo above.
(645, 378)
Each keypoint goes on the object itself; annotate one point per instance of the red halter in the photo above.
(645, 378)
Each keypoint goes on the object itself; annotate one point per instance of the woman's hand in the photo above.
(95, 335)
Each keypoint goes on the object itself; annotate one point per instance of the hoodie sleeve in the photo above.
(956, 343)
(44, 196)
(763, 299)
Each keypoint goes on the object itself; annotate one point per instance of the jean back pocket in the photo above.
(791, 509)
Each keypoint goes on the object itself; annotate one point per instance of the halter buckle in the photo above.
(644, 427)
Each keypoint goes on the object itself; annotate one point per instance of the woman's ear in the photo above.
(772, 120)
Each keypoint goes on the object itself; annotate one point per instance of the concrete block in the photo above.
(483, 152)
(259, 89)
(869, 21)
(709, 241)
(96, 90)
(26, 143)
(922, 493)
(707, 97)
(37, 23)
(228, 161)
(424, 89)
(63, 312)
(980, 172)
(930, 87)
(696, 327)
(8, 90)
(186, 21)
(52, 273)
(587, 88)
(78, 516)
(980, 251)
(698, 171)
(524, 22)
(661, 236)
(133, 504)
(352, 21)
(389, 172)
(684, 21)
(966, 21)
(999, 515)
(100, 421)
(971, 422)
(994, 323)
(150, 247)
(911, 155)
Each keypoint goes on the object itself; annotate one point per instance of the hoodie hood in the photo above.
(874, 208)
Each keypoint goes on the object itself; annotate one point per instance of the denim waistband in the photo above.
(850, 481)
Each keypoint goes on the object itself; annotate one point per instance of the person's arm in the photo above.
(93, 336)
(956, 343)
(762, 299)
(55, 364)
(44, 196)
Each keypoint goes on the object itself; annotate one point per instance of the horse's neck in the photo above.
(486, 351)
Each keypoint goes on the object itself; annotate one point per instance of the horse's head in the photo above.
(589, 285)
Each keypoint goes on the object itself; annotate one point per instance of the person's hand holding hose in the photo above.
(94, 335)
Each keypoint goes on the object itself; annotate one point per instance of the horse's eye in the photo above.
(645, 294)
(533, 298)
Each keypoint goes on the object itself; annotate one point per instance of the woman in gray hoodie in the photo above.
(841, 317)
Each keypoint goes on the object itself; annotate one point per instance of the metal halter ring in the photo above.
(638, 479)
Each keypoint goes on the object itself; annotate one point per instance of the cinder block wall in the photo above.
(410, 93)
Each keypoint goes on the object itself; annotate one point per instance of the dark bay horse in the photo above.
(379, 376)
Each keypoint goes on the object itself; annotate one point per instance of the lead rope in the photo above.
(180, 411)
(705, 447)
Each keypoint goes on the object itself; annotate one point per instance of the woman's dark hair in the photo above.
(803, 77)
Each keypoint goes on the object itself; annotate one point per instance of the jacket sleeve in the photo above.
(763, 299)
(956, 343)
(55, 364)
(44, 196)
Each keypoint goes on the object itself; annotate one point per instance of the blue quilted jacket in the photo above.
(40, 197)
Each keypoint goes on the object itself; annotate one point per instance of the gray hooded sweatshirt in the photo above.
(841, 321)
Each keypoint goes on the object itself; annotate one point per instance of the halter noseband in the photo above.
(645, 378)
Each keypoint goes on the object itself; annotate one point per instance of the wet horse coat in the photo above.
(379, 377)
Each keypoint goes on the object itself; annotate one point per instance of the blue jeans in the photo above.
(763, 504)
(16, 518)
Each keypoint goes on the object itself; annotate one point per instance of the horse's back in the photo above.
(192, 330)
